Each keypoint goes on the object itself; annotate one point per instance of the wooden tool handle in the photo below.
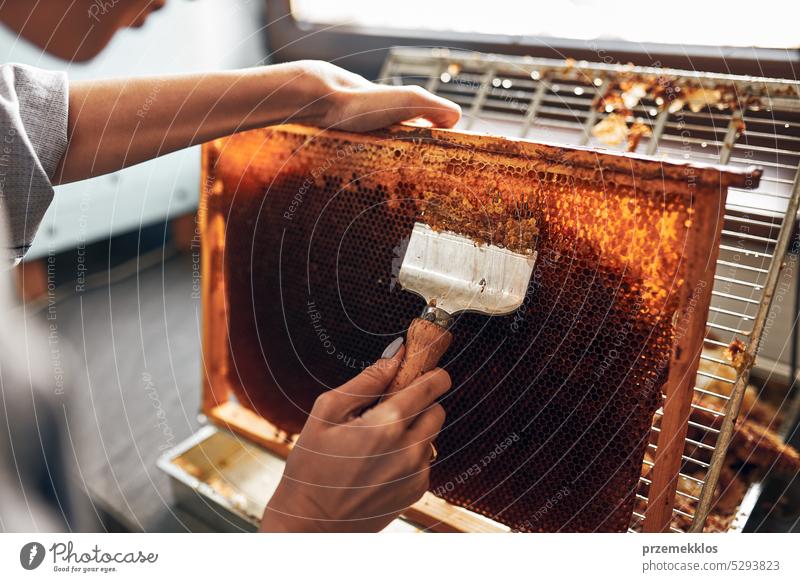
(426, 343)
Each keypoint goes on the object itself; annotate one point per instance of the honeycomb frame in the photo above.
(255, 161)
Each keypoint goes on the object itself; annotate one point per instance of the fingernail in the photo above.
(392, 348)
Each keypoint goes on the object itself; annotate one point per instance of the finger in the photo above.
(418, 485)
(424, 431)
(362, 391)
(404, 406)
(396, 104)
(439, 111)
(427, 426)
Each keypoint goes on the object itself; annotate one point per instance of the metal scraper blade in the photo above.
(456, 274)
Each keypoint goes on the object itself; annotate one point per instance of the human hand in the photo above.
(109, 129)
(350, 102)
(359, 462)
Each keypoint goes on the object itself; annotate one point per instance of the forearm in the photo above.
(117, 123)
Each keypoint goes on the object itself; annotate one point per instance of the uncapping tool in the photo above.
(454, 273)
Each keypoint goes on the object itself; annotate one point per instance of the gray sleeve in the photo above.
(33, 139)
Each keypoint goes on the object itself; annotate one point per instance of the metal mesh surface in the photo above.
(552, 406)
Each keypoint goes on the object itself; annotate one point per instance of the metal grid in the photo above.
(557, 102)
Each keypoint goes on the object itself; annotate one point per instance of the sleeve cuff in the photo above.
(43, 106)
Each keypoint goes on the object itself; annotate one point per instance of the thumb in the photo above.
(370, 385)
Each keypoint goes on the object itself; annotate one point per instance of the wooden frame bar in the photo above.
(679, 390)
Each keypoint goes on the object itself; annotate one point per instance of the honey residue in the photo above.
(736, 354)
(625, 93)
(490, 220)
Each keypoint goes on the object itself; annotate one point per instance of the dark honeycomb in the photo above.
(551, 408)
